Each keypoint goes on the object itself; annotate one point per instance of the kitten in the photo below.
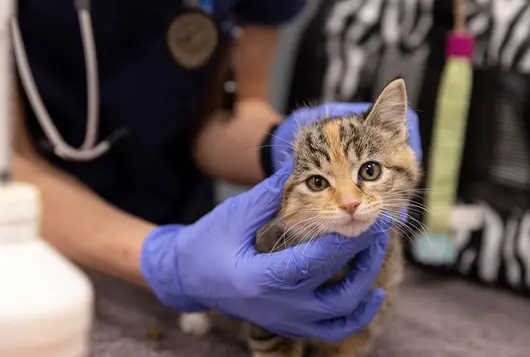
(347, 172)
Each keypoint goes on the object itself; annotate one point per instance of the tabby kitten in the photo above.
(347, 172)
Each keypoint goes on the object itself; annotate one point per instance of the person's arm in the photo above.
(76, 222)
(229, 149)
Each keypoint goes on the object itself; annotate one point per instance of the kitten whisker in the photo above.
(291, 145)
(404, 203)
(286, 216)
(314, 225)
(402, 199)
(298, 125)
(284, 237)
(290, 228)
(405, 231)
(316, 229)
(315, 233)
(423, 229)
(280, 218)
(414, 190)
(271, 146)
(311, 233)
(412, 208)
(409, 193)
(398, 210)
(271, 224)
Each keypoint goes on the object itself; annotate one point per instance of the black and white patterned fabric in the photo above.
(351, 48)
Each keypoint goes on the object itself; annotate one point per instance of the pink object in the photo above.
(350, 206)
(460, 45)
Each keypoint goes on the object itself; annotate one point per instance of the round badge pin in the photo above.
(192, 39)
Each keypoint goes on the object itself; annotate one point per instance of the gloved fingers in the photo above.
(306, 265)
(414, 133)
(404, 215)
(158, 268)
(343, 297)
(306, 116)
(258, 205)
(342, 327)
(310, 264)
(340, 109)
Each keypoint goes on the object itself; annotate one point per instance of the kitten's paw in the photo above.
(196, 323)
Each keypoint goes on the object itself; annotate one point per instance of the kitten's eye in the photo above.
(317, 183)
(370, 171)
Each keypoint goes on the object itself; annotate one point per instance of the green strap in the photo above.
(448, 144)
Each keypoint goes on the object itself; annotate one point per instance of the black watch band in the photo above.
(266, 152)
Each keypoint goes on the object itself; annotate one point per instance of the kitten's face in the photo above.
(348, 170)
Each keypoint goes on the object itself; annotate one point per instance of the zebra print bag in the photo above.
(352, 47)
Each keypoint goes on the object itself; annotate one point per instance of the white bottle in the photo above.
(46, 302)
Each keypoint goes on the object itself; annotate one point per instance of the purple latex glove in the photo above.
(287, 130)
(213, 264)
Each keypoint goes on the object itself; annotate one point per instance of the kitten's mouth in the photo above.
(352, 226)
(356, 221)
(359, 220)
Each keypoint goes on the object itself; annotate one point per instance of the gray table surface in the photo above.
(435, 317)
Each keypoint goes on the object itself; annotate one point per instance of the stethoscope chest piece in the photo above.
(192, 38)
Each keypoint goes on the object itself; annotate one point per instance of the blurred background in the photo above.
(345, 50)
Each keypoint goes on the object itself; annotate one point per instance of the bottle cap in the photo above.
(20, 211)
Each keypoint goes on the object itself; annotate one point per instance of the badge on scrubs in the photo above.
(193, 38)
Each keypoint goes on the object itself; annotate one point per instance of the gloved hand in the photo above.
(212, 264)
(287, 130)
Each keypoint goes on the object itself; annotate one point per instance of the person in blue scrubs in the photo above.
(144, 211)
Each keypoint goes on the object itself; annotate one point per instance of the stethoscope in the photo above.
(193, 37)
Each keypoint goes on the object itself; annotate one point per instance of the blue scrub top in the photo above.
(149, 172)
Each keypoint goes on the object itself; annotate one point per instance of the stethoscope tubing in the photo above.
(88, 150)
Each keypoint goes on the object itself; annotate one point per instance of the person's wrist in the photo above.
(159, 268)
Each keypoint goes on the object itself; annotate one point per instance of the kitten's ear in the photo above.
(389, 112)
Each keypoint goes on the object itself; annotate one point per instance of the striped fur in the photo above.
(336, 149)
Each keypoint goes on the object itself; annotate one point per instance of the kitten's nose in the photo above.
(350, 206)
